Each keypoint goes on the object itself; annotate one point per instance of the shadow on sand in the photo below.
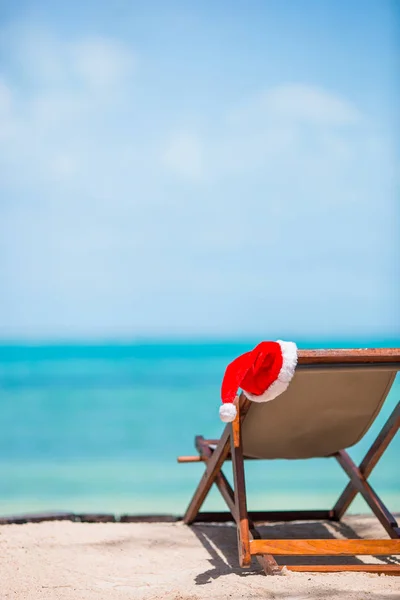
(220, 541)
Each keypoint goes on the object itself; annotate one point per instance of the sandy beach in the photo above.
(151, 561)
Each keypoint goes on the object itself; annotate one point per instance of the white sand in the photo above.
(80, 561)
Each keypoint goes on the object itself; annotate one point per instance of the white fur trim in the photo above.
(227, 412)
(289, 356)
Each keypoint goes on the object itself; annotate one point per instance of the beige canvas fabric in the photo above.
(323, 410)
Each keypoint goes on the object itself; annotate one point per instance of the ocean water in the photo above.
(98, 428)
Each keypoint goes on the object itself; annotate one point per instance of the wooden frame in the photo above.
(229, 447)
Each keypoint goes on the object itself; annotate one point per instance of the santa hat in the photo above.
(262, 374)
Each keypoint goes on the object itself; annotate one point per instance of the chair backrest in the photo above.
(330, 404)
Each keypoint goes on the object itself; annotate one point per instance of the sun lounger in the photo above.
(331, 403)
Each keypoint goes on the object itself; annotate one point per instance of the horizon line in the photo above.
(191, 340)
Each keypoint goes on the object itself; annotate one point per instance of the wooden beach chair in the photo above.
(332, 401)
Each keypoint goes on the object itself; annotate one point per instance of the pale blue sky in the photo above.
(199, 168)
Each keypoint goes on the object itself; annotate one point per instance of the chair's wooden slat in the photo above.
(190, 459)
(330, 547)
(349, 356)
(379, 569)
(194, 458)
(258, 516)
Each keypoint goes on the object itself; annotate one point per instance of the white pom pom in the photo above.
(227, 412)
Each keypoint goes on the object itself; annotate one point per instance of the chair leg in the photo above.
(214, 464)
(370, 496)
(246, 530)
(213, 468)
(267, 562)
(236, 500)
(370, 460)
(221, 481)
(240, 495)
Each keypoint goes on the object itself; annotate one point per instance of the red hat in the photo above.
(262, 374)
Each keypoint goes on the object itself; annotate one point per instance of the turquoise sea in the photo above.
(97, 427)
